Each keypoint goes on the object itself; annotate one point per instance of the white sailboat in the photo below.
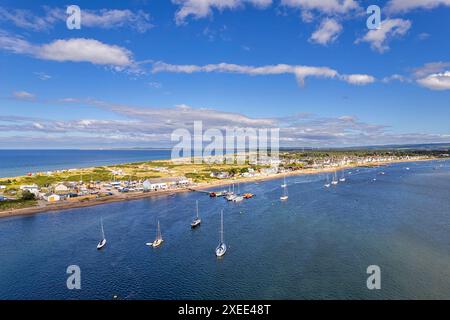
(335, 180)
(222, 247)
(327, 185)
(238, 198)
(285, 192)
(158, 241)
(230, 196)
(196, 222)
(102, 242)
(342, 179)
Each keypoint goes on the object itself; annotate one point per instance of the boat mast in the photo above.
(158, 234)
(197, 208)
(221, 226)
(103, 231)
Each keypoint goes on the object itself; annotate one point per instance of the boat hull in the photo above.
(101, 244)
(221, 250)
(155, 243)
(195, 223)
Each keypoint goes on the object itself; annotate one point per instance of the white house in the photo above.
(61, 188)
(53, 198)
(153, 184)
(33, 188)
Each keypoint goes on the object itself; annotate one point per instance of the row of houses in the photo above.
(69, 190)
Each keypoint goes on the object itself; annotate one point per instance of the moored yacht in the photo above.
(222, 247)
(196, 222)
(342, 179)
(102, 242)
(158, 241)
(327, 185)
(335, 180)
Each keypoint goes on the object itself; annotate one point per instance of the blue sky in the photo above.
(138, 70)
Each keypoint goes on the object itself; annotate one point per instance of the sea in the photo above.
(319, 244)
(22, 162)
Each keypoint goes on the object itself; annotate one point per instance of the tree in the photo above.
(27, 195)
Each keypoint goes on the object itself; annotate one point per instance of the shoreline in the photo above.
(63, 206)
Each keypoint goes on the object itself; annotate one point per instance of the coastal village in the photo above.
(43, 189)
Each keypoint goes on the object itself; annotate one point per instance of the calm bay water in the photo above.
(20, 162)
(318, 244)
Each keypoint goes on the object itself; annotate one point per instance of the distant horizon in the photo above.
(394, 146)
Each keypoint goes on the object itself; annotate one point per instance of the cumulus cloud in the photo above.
(331, 12)
(358, 79)
(390, 28)
(436, 81)
(401, 6)
(429, 68)
(85, 50)
(300, 72)
(204, 8)
(327, 32)
(433, 75)
(75, 49)
(102, 18)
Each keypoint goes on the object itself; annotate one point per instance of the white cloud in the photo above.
(85, 50)
(358, 79)
(429, 68)
(75, 49)
(26, 19)
(423, 36)
(395, 77)
(300, 72)
(307, 16)
(43, 76)
(153, 127)
(69, 100)
(401, 6)
(102, 18)
(110, 19)
(389, 28)
(23, 95)
(203, 8)
(436, 81)
(155, 85)
(323, 6)
(330, 11)
(327, 32)
(15, 44)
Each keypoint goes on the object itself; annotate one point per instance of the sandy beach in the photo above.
(65, 205)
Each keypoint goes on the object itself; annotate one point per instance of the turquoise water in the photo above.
(318, 244)
(20, 162)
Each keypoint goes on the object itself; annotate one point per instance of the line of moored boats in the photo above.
(220, 249)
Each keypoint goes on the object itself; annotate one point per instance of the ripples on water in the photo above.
(318, 244)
